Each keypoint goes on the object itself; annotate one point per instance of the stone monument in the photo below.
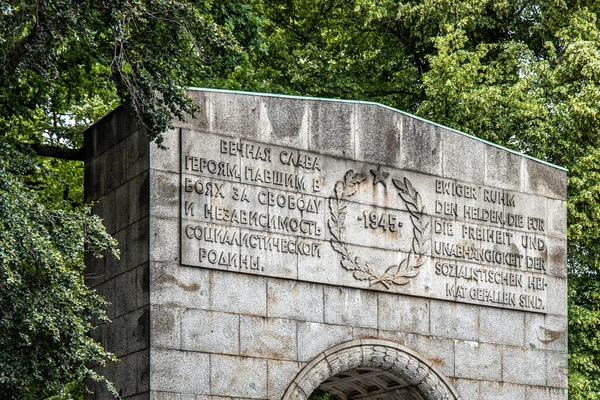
(281, 245)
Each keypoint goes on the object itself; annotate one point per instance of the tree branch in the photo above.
(45, 150)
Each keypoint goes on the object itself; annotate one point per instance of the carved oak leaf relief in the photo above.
(362, 270)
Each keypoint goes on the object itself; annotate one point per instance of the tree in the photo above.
(63, 64)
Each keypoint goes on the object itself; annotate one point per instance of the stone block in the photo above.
(106, 133)
(238, 293)
(94, 173)
(496, 390)
(547, 332)
(196, 397)
(137, 243)
(117, 266)
(524, 366)
(454, 320)
(235, 114)
(200, 120)
(332, 128)
(354, 307)
(271, 338)
(463, 157)
(364, 333)
(477, 361)
(557, 296)
(500, 326)
(238, 377)
(122, 207)
(557, 369)
(143, 370)
(557, 257)
(166, 158)
(179, 286)
(154, 395)
(438, 351)
(105, 208)
(116, 336)
(314, 338)
(284, 121)
(280, 374)
(116, 167)
(164, 194)
(378, 132)
(539, 393)
(126, 124)
(545, 180)
(138, 330)
(126, 375)
(142, 285)
(467, 389)
(125, 293)
(403, 313)
(502, 168)
(421, 146)
(137, 152)
(138, 196)
(165, 327)
(164, 240)
(294, 300)
(179, 371)
(210, 332)
(557, 218)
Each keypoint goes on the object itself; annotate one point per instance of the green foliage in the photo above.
(63, 65)
(45, 307)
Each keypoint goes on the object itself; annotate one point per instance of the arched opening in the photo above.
(371, 370)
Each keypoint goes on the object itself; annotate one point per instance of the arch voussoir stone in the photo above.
(376, 354)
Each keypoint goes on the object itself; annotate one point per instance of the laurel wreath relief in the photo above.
(395, 274)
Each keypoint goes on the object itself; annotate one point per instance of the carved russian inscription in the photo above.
(275, 211)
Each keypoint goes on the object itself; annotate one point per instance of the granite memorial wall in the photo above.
(280, 245)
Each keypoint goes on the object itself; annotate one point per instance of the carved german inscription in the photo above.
(269, 210)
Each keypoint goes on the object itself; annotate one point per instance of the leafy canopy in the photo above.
(63, 65)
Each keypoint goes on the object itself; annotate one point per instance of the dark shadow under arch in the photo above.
(371, 369)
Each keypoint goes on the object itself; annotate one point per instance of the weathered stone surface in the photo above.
(238, 377)
(294, 300)
(475, 360)
(421, 146)
(276, 231)
(285, 121)
(238, 293)
(332, 126)
(463, 157)
(314, 338)
(180, 371)
(501, 326)
(401, 313)
(180, 286)
(281, 373)
(235, 115)
(524, 366)
(165, 327)
(557, 369)
(210, 332)
(494, 391)
(378, 132)
(271, 338)
(454, 320)
(352, 307)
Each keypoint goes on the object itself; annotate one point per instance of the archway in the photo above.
(371, 370)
